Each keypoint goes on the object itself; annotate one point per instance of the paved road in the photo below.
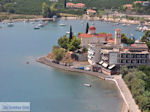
(127, 95)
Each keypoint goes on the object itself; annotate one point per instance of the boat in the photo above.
(10, 24)
(88, 85)
(68, 32)
(124, 25)
(36, 27)
(40, 25)
(62, 24)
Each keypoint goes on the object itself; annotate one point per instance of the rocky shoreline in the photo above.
(127, 105)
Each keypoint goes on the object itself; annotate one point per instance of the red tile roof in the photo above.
(109, 35)
(129, 6)
(70, 4)
(92, 28)
(90, 10)
(78, 5)
(110, 40)
(118, 29)
(90, 35)
(136, 2)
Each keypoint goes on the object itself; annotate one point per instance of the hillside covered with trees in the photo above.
(34, 6)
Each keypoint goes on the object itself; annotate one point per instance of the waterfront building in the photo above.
(112, 55)
(93, 37)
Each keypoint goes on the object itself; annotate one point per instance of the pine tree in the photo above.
(87, 27)
(70, 35)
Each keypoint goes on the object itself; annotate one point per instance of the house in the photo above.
(138, 2)
(73, 5)
(90, 12)
(93, 37)
(80, 5)
(128, 6)
(146, 3)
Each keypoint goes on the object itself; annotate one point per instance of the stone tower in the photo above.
(117, 36)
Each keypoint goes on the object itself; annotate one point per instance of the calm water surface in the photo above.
(49, 89)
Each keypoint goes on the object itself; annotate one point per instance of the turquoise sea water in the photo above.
(49, 89)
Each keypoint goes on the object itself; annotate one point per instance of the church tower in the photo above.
(117, 36)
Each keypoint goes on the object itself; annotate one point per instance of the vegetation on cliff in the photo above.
(138, 81)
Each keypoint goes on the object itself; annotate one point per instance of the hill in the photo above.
(34, 6)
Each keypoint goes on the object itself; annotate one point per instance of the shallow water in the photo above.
(49, 89)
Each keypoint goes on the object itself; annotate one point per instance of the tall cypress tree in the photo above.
(87, 27)
(70, 35)
(65, 3)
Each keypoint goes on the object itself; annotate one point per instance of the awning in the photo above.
(101, 62)
(112, 66)
(105, 65)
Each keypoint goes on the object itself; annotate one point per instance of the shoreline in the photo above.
(127, 104)
(123, 21)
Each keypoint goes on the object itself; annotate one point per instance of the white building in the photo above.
(92, 37)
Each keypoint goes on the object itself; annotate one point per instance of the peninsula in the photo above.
(101, 55)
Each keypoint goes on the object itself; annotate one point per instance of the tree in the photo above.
(58, 53)
(87, 27)
(126, 40)
(146, 36)
(70, 34)
(53, 10)
(63, 42)
(9, 7)
(74, 44)
(65, 3)
(45, 10)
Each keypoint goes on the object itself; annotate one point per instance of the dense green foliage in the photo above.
(138, 8)
(138, 81)
(126, 40)
(34, 6)
(146, 38)
(70, 45)
(58, 53)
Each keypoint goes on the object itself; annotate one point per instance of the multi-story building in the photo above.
(110, 56)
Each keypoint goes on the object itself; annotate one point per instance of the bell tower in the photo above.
(117, 36)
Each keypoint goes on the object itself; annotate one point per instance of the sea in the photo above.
(46, 88)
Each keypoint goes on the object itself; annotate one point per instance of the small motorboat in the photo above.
(10, 24)
(62, 24)
(40, 25)
(68, 32)
(87, 85)
(36, 27)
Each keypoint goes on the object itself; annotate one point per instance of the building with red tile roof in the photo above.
(138, 2)
(90, 12)
(93, 37)
(73, 5)
(128, 6)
